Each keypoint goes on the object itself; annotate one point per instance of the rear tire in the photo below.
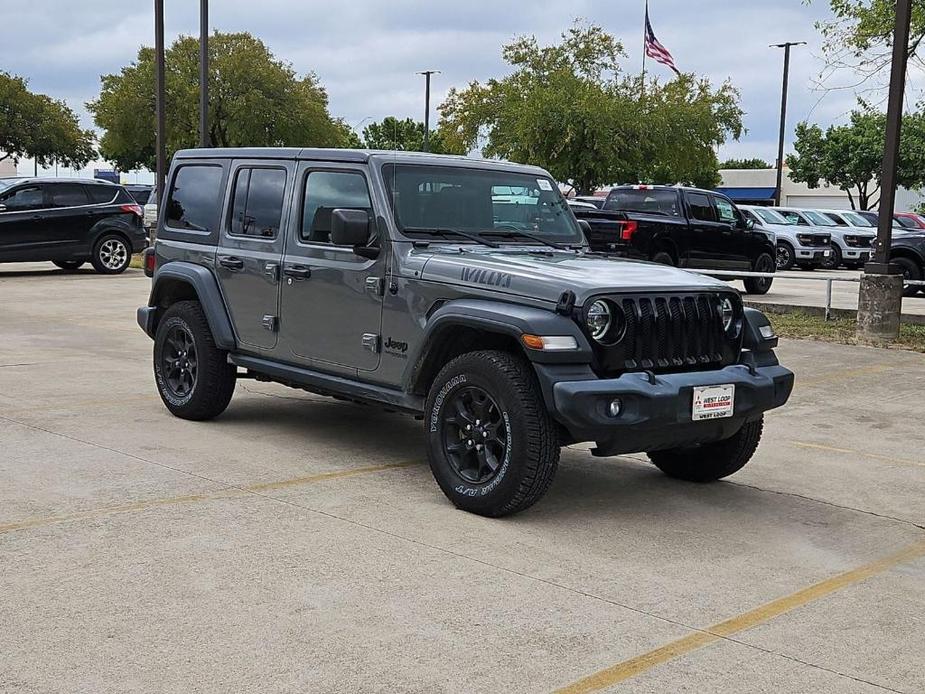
(492, 397)
(785, 256)
(760, 285)
(911, 271)
(663, 258)
(69, 265)
(112, 254)
(193, 376)
(711, 461)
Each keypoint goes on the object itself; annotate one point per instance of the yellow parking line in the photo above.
(226, 493)
(630, 668)
(874, 456)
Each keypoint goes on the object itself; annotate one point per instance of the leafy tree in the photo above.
(34, 125)
(850, 156)
(405, 135)
(567, 107)
(745, 164)
(254, 100)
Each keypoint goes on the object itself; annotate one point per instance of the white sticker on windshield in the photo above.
(544, 184)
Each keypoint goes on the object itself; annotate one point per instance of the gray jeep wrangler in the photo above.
(457, 290)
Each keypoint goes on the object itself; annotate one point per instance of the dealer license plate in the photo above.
(713, 402)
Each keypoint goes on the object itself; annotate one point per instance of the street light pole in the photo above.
(427, 74)
(881, 289)
(783, 114)
(159, 97)
(204, 73)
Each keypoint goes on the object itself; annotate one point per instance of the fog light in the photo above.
(615, 408)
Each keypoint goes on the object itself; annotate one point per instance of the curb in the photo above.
(852, 314)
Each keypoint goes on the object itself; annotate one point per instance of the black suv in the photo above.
(69, 222)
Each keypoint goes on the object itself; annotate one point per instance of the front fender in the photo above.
(203, 283)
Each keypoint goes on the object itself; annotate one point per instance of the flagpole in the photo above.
(644, 35)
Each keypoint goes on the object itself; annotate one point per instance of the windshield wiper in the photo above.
(527, 235)
(440, 231)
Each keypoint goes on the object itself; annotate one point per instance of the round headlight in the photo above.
(728, 311)
(599, 319)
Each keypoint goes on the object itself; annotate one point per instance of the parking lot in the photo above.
(299, 544)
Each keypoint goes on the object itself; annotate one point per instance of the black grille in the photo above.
(669, 332)
(815, 239)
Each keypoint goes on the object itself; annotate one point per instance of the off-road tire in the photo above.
(532, 437)
(69, 265)
(910, 271)
(711, 461)
(760, 285)
(835, 259)
(215, 378)
(101, 254)
(663, 258)
(785, 256)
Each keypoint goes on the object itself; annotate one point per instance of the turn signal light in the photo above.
(549, 343)
(150, 262)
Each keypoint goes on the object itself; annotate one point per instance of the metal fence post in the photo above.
(828, 299)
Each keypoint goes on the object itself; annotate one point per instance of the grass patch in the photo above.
(808, 327)
(137, 262)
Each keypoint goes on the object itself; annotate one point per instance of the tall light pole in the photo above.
(881, 288)
(427, 74)
(159, 90)
(204, 73)
(783, 114)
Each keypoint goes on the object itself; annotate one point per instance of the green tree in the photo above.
(567, 107)
(859, 36)
(405, 135)
(850, 156)
(745, 164)
(37, 126)
(254, 100)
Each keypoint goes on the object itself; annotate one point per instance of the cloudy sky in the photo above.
(366, 53)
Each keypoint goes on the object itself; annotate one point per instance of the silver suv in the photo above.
(456, 290)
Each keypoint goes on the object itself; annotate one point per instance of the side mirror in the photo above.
(349, 227)
(585, 226)
(749, 223)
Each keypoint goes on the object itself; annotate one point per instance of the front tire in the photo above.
(491, 444)
(911, 272)
(111, 254)
(785, 256)
(711, 461)
(193, 376)
(760, 285)
(833, 262)
(663, 258)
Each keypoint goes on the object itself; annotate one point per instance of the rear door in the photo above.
(68, 219)
(21, 223)
(251, 248)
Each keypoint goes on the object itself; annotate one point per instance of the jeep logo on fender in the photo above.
(489, 277)
(395, 346)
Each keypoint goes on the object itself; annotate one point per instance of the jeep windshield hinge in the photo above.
(375, 286)
(271, 323)
(371, 342)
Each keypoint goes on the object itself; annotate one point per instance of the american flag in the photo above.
(656, 50)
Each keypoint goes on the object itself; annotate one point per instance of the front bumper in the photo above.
(657, 415)
(856, 255)
(815, 255)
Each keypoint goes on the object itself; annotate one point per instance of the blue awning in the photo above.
(747, 193)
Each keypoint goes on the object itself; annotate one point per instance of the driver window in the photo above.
(326, 191)
(725, 210)
(26, 198)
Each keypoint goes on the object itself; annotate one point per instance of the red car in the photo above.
(910, 220)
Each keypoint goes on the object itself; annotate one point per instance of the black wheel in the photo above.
(711, 461)
(663, 257)
(193, 376)
(760, 285)
(111, 254)
(492, 446)
(785, 256)
(69, 265)
(833, 262)
(911, 272)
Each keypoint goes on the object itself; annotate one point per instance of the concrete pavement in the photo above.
(299, 544)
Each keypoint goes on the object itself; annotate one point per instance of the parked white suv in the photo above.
(796, 245)
(851, 240)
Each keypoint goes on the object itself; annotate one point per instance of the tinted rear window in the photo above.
(662, 202)
(700, 207)
(195, 197)
(67, 195)
(257, 203)
(101, 194)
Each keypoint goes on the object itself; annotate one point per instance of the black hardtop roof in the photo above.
(646, 186)
(361, 156)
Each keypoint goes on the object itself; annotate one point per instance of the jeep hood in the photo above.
(545, 274)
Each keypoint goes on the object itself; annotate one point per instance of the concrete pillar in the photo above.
(879, 306)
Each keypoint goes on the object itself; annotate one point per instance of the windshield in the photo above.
(431, 198)
(6, 183)
(855, 220)
(820, 220)
(771, 216)
(651, 201)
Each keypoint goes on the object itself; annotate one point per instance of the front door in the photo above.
(732, 248)
(331, 298)
(22, 223)
(248, 259)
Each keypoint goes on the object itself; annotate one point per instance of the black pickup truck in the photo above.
(684, 227)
